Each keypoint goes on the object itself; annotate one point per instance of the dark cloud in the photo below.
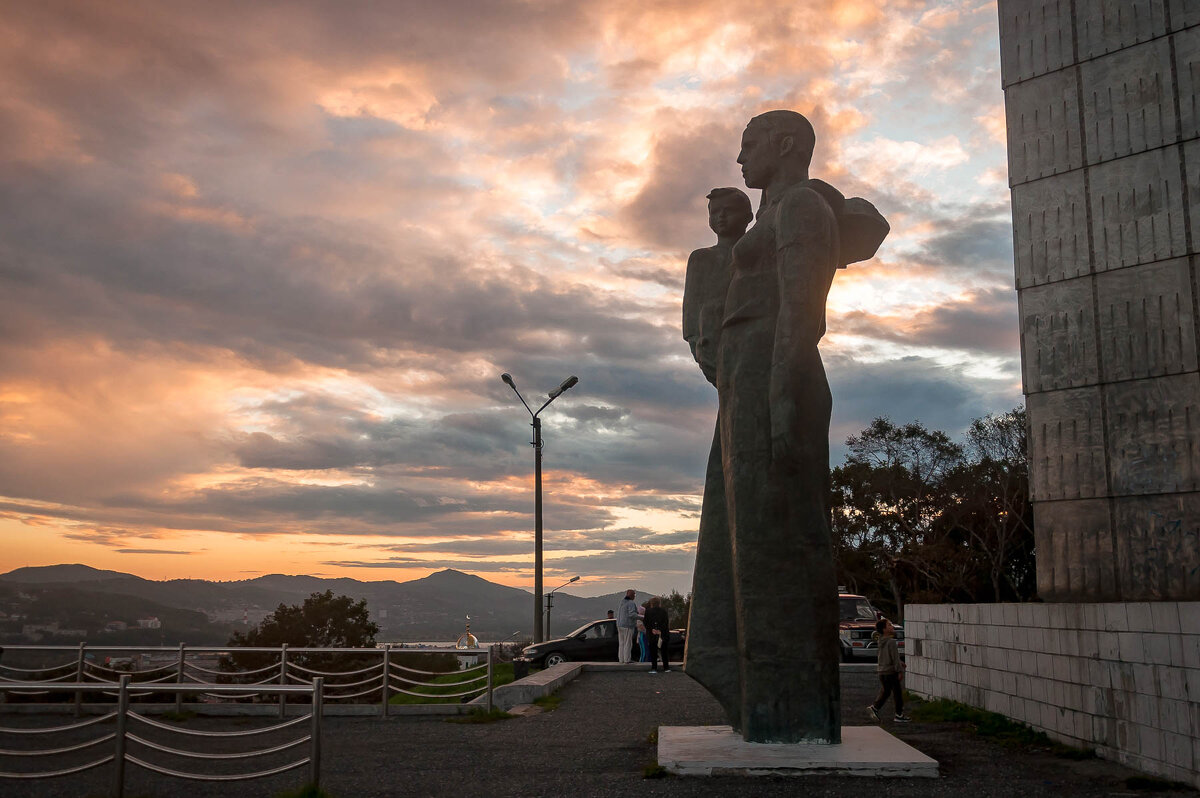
(907, 389)
(628, 564)
(985, 322)
(291, 289)
(151, 551)
(357, 509)
(612, 539)
(982, 244)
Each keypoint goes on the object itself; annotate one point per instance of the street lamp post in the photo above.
(566, 385)
(550, 601)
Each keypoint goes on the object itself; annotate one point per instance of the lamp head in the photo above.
(573, 579)
(508, 380)
(566, 385)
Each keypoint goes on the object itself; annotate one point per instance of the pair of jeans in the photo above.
(889, 684)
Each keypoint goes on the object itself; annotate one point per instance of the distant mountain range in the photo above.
(434, 608)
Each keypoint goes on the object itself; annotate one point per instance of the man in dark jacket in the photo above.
(658, 634)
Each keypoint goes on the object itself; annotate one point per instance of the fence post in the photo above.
(283, 680)
(122, 722)
(490, 678)
(179, 678)
(387, 678)
(318, 709)
(79, 679)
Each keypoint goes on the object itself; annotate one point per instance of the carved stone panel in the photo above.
(1066, 445)
(1158, 546)
(1187, 74)
(1050, 234)
(1137, 209)
(1075, 550)
(1191, 158)
(1043, 127)
(1146, 320)
(1058, 328)
(1107, 25)
(1154, 434)
(1035, 38)
(1129, 101)
(1184, 13)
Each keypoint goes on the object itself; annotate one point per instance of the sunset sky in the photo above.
(262, 264)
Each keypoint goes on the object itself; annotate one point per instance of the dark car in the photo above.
(856, 628)
(593, 642)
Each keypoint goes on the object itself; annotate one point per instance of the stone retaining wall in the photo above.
(1123, 678)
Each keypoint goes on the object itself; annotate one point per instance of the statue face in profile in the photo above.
(757, 160)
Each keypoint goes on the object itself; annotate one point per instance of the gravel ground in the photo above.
(597, 744)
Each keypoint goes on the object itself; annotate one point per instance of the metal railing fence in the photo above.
(184, 675)
(126, 721)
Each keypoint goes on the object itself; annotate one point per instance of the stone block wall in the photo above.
(1103, 118)
(1122, 678)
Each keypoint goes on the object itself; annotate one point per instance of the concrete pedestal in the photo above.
(719, 751)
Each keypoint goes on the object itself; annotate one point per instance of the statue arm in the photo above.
(806, 259)
(691, 300)
(694, 316)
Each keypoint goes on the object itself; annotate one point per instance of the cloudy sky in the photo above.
(262, 264)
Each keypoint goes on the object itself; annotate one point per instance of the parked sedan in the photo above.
(592, 642)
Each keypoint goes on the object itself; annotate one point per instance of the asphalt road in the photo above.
(597, 743)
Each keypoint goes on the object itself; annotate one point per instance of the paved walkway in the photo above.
(597, 743)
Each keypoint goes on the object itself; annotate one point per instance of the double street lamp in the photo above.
(550, 600)
(566, 385)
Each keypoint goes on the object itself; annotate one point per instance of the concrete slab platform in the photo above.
(720, 751)
(535, 685)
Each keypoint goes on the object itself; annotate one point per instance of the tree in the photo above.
(322, 621)
(891, 494)
(921, 517)
(679, 608)
(995, 508)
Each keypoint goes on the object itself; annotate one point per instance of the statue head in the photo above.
(773, 142)
(729, 211)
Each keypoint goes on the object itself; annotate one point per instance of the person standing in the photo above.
(643, 649)
(658, 634)
(890, 670)
(627, 619)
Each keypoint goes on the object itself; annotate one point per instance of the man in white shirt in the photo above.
(627, 618)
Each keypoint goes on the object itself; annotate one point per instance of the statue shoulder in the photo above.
(805, 213)
(708, 264)
(704, 255)
(809, 198)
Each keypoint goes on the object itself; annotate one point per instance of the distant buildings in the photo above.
(37, 631)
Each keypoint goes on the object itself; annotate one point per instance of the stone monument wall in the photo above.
(1103, 108)
(1122, 678)
(1102, 99)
